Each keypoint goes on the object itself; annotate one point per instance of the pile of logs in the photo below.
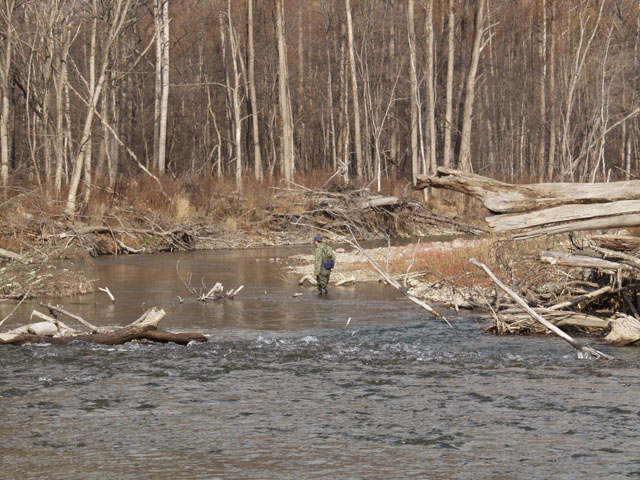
(53, 331)
(603, 271)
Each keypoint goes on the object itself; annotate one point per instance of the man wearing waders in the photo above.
(324, 261)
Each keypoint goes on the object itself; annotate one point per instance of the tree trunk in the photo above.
(119, 15)
(283, 97)
(553, 121)
(393, 134)
(542, 94)
(253, 98)
(500, 197)
(5, 89)
(157, 18)
(431, 93)
(164, 103)
(235, 101)
(354, 92)
(413, 100)
(88, 154)
(464, 159)
(448, 117)
(62, 51)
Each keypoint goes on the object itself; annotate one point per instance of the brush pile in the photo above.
(598, 293)
(359, 213)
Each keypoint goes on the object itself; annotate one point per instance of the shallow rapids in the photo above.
(284, 391)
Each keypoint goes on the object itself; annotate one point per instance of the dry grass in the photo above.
(513, 262)
(189, 199)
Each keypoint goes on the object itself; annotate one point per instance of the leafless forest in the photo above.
(97, 91)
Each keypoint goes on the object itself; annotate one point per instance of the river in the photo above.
(282, 390)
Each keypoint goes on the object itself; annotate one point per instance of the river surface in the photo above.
(282, 390)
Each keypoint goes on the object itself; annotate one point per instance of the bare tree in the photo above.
(413, 100)
(464, 159)
(253, 98)
(161, 18)
(8, 8)
(448, 117)
(354, 91)
(284, 97)
(117, 17)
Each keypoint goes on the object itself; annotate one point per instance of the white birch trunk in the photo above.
(431, 94)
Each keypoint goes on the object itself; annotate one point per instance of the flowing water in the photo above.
(282, 390)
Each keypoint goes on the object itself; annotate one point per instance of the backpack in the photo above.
(329, 258)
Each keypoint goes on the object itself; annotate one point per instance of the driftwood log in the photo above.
(545, 208)
(11, 255)
(500, 197)
(624, 330)
(580, 261)
(144, 328)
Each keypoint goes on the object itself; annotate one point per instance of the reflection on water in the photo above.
(283, 391)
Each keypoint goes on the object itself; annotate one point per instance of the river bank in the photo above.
(431, 263)
(39, 239)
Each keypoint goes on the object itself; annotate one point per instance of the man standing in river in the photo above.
(324, 261)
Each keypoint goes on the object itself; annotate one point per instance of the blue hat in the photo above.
(317, 238)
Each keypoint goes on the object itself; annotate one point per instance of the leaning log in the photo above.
(379, 201)
(501, 197)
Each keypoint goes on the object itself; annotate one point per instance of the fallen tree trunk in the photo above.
(578, 261)
(500, 197)
(379, 202)
(11, 255)
(144, 328)
(117, 337)
(563, 214)
(618, 221)
(558, 318)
